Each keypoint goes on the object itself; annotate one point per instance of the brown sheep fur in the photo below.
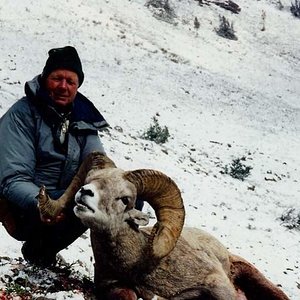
(168, 261)
(199, 267)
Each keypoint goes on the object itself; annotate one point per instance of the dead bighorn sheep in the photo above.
(163, 261)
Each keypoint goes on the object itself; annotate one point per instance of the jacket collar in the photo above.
(83, 114)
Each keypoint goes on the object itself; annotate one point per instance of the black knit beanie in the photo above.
(63, 58)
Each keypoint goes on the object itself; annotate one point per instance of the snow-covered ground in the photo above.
(220, 99)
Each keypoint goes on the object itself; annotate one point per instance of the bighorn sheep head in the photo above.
(106, 198)
(157, 189)
(124, 187)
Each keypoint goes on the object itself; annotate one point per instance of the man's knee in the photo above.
(6, 218)
(15, 221)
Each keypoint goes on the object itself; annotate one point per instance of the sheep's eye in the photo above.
(125, 200)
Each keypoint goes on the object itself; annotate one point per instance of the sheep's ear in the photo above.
(136, 218)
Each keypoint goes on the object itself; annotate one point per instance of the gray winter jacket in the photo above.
(29, 152)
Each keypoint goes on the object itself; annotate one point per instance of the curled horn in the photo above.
(163, 195)
(52, 208)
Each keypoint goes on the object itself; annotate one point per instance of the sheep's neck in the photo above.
(113, 245)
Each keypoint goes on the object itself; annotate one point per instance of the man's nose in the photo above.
(63, 83)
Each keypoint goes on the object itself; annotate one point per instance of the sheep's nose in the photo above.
(86, 192)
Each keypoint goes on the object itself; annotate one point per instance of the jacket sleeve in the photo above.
(92, 143)
(17, 157)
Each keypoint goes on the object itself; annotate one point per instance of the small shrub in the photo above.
(263, 20)
(196, 23)
(226, 29)
(15, 291)
(295, 8)
(280, 5)
(291, 219)
(237, 169)
(162, 10)
(156, 133)
(161, 4)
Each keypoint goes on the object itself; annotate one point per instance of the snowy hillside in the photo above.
(220, 99)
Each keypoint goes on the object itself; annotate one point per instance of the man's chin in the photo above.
(63, 106)
(62, 101)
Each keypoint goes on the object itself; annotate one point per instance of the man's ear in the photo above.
(136, 218)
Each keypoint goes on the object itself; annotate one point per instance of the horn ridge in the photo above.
(162, 193)
(93, 161)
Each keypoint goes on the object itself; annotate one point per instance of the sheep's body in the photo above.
(190, 270)
(199, 266)
(163, 261)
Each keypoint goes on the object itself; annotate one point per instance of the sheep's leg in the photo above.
(252, 282)
(219, 287)
(121, 294)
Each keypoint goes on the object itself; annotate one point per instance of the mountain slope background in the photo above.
(220, 99)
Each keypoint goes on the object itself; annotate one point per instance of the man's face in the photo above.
(62, 86)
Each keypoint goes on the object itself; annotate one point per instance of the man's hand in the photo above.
(52, 220)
